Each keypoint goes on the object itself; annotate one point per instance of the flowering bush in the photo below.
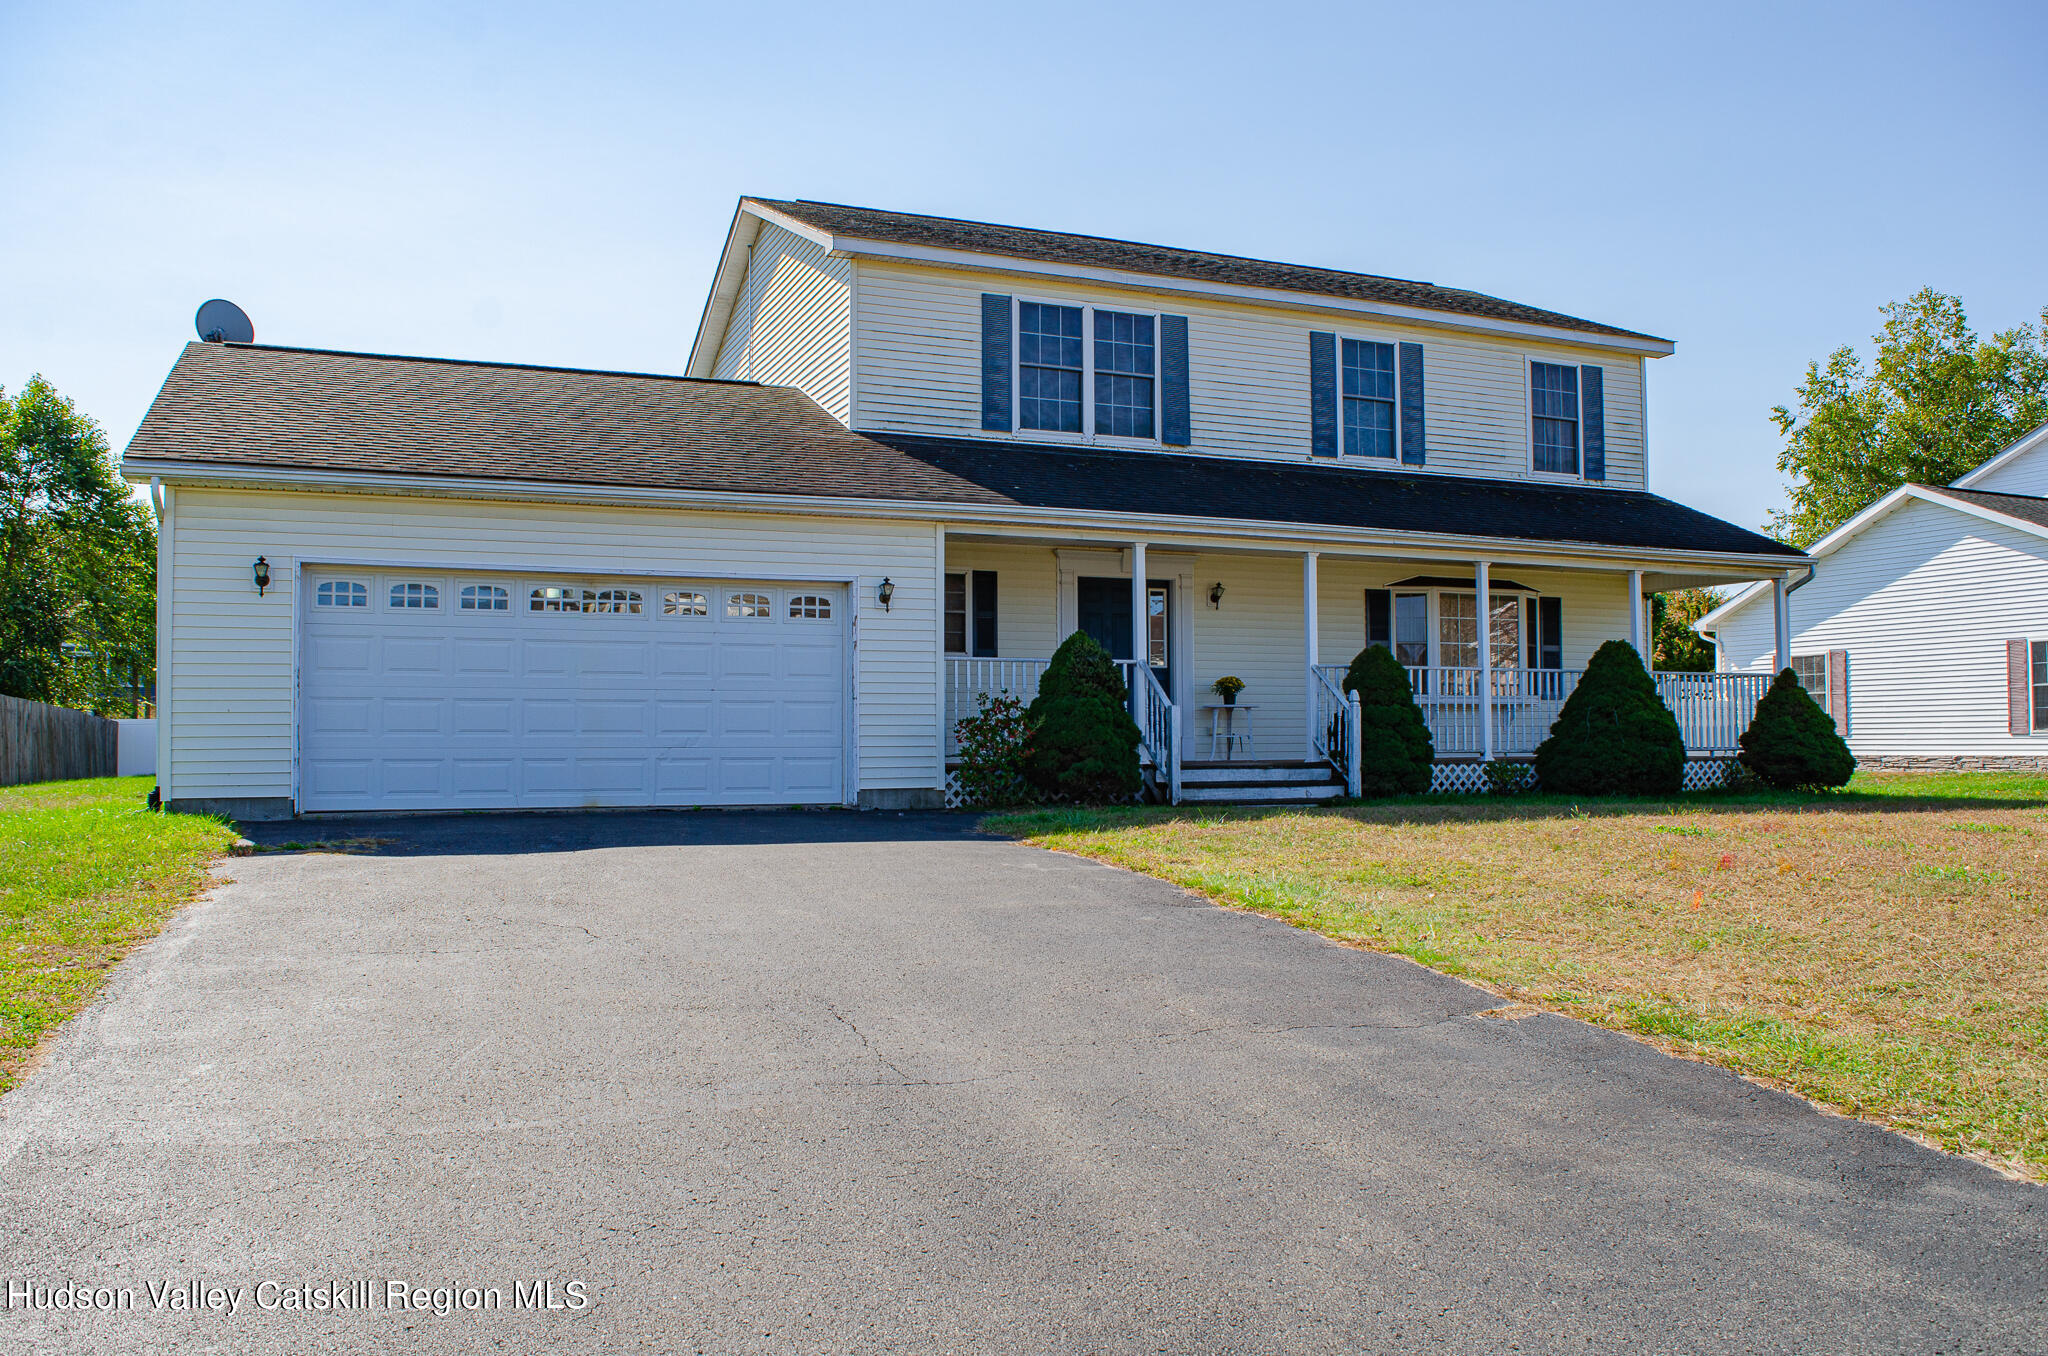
(992, 745)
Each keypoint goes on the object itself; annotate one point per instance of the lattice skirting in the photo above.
(1469, 777)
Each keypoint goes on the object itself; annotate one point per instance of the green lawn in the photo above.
(85, 873)
(1883, 950)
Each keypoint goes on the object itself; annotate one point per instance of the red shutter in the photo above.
(1838, 690)
(2018, 719)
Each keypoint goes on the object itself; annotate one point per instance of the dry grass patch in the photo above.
(1883, 951)
(85, 873)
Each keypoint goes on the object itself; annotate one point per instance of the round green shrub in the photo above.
(1614, 736)
(1791, 743)
(1084, 744)
(1395, 753)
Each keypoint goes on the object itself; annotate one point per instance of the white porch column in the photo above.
(1781, 617)
(1311, 646)
(1139, 633)
(1482, 587)
(1635, 615)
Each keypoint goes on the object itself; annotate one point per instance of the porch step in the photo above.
(1219, 774)
(1251, 783)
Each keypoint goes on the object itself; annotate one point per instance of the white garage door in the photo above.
(425, 691)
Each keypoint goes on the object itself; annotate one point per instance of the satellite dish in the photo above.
(223, 322)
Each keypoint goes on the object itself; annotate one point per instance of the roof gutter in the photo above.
(1420, 544)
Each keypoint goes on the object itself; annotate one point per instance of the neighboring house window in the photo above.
(684, 603)
(415, 595)
(1368, 399)
(552, 598)
(810, 606)
(341, 593)
(1125, 364)
(749, 605)
(1554, 415)
(612, 601)
(1812, 670)
(2039, 684)
(484, 598)
(1049, 354)
(956, 613)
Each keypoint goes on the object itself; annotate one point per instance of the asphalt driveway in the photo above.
(835, 1082)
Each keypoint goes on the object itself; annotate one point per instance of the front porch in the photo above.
(1487, 691)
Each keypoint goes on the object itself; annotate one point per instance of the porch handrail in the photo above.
(1713, 709)
(1335, 732)
(1160, 732)
(967, 678)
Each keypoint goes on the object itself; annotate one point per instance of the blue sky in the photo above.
(550, 183)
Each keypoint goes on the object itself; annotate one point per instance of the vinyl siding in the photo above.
(2025, 474)
(791, 324)
(1923, 600)
(1257, 633)
(917, 369)
(230, 723)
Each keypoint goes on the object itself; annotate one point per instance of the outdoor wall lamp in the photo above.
(884, 591)
(261, 569)
(1216, 596)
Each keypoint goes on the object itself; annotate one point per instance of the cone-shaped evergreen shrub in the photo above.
(1395, 754)
(1084, 744)
(1792, 743)
(1615, 735)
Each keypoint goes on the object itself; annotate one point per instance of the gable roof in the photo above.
(304, 416)
(849, 225)
(2027, 512)
(2029, 442)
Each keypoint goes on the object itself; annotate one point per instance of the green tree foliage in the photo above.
(1615, 735)
(77, 560)
(1792, 743)
(1674, 646)
(1938, 403)
(1084, 744)
(1395, 754)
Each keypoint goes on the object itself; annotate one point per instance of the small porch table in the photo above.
(1224, 727)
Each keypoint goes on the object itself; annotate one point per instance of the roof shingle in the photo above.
(1130, 256)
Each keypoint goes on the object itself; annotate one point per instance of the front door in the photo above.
(1104, 607)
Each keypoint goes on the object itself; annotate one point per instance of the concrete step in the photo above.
(1219, 774)
(1291, 793)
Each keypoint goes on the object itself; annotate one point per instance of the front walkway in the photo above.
(871, 1082)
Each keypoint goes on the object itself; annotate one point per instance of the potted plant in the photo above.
(1227, 688)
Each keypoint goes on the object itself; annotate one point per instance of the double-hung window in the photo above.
(1554, 417)
(1369, 399)
(1087, 370)
(971, 613)
(2037, 686)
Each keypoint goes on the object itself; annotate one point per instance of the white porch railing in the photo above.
(967, 679)
(1334, 728)
(1713, 709)
(1160, 731)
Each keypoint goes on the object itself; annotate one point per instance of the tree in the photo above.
(1614, 735)
(1674, 646)
(77, 559)
(1937, 403)
(1395, 753)
(1083, 744)
(1791, 743)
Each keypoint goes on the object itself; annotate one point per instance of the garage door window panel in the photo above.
(415, 596)
(684, 603)
(483, 598)
(750, 606)
(341, 593)
(809, 607)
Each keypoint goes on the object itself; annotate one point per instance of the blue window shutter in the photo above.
(1322, 393)
(995, 362)
(1593, 416)
(1414, 436)
(1173, 380)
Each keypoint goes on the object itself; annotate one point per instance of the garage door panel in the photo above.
(421, 708)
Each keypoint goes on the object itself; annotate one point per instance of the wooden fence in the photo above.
(44, 743)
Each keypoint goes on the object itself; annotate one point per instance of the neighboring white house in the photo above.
(1924, 628)
(911, 455)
